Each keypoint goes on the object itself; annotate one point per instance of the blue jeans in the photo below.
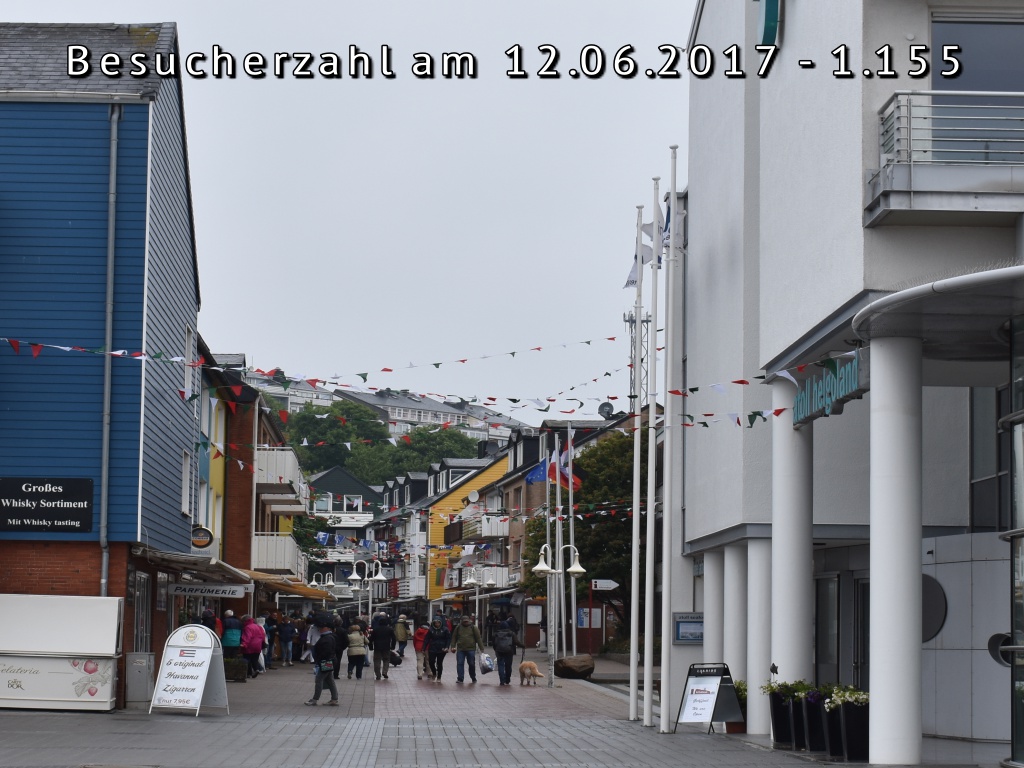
(286, 651)
(505, 667)
(461, 657)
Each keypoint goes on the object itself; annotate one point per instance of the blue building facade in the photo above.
(94, 196)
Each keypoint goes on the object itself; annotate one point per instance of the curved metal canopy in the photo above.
(961, 318)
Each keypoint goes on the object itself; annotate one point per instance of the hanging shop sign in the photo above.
(210, 590)
(46, 505)
(842, 379)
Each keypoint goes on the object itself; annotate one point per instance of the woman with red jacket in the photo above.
(419, 644)
(253, 638)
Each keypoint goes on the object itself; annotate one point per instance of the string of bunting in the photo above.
(720, 387)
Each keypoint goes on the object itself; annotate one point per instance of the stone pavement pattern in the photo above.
(395, 723)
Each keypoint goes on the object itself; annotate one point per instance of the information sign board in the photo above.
(709, 696)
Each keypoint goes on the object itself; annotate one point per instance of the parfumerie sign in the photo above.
(46, 505)
(843, 379)
(208, 590)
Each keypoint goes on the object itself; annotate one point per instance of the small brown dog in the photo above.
(528, 672)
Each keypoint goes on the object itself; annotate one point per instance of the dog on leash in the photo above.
(528, 673)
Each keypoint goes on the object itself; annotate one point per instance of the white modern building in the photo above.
(854, 233)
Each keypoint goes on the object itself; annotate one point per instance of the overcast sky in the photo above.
(346, 226)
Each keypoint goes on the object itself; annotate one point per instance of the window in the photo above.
(978, 129)
(186, 484)
(353, 503)
(991, 496)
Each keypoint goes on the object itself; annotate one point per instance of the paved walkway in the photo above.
(402, 723)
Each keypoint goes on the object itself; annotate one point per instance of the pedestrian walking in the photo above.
(504, 644)
(466, 641)
(402, 634)
(356, 650)
(286, 632)
(252, 639)
(382, 643)
(323, 658)
(437, 641)
(419, 645)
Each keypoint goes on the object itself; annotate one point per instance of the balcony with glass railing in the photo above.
(948, 157)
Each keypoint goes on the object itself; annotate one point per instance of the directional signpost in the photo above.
(596, 585)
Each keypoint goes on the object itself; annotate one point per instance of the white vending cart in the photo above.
(59, 651)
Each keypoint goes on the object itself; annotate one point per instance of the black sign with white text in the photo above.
(46, 505)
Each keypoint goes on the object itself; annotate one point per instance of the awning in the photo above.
(206, 568)
(275, 582)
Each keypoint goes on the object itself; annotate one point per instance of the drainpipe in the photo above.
(108, 345)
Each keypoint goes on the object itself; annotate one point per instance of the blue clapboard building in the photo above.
(99, 297)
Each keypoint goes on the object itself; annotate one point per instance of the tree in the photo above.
(373, 464)
(603, 527)
(304, 530)
(321, 436)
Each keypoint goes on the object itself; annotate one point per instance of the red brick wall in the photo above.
(238, 494)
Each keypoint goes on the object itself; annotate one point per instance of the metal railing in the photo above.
(952, 128)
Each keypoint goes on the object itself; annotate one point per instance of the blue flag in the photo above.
(538, 473)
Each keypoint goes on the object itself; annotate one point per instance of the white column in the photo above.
(792, 541)
(714, 594)
(759, 632)
(734, 623)
(895, 497)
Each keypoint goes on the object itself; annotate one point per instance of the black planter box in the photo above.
(833, 732)
(782, 725)
(855, 732)
(813, 714)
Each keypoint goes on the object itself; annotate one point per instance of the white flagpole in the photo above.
(652, 460)
(671, 485)
(572, 536)
(636, 405)
(547, 541)
(556, 556)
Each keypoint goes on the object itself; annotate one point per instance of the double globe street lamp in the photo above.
(555, 594)
(373, 571)
(473, 581)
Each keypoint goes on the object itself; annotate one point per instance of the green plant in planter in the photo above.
(788, 690)
(845, 694)
(741, 694)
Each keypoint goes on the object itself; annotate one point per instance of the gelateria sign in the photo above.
(842, 379)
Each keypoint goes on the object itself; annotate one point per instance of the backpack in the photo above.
(504, 641)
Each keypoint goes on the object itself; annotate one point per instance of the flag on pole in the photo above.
(558, 470)
(538, 473)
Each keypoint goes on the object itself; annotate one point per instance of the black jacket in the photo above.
(438, 639)
(383, 638)
(325, 648)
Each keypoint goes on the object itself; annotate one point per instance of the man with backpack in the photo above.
(504, 644)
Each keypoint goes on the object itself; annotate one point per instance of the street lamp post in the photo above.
(325, 582)
(473, 581)
(555, 577)
(372, 572)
